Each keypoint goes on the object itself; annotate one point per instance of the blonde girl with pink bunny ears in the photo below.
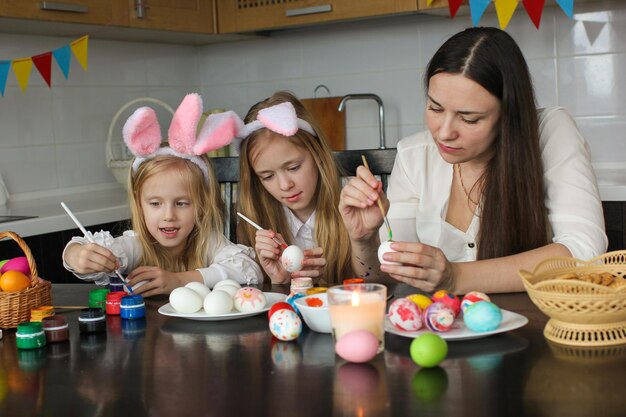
(177, 211)
(290, 184)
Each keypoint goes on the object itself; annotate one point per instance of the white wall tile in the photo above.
(605, 135)
(82, 164)
(27, 169)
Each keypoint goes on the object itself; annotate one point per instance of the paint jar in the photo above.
(56, 329)
(113, 300)
(39, 313)
(30, 335)
(115, 285)
(97, 298)
(301, 285)
(91, 320)
(132, 307)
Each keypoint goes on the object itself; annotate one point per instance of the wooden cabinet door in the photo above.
(99, 12)
(252, 15)
(435, 4)
(173, 15)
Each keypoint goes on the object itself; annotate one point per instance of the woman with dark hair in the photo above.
(493, 186)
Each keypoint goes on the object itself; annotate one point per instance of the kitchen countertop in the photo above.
(109, 203)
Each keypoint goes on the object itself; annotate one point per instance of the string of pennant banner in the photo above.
(22, 67)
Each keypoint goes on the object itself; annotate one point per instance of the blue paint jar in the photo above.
(132, 307)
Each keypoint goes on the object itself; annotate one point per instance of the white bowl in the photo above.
(317, 318)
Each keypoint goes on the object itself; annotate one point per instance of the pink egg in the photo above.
(285, 325)
(471, 298)
(405, 315)
(448, 298)
(357, 346)
(16, 264)
(438, 317)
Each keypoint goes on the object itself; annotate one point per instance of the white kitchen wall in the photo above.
(55, 138)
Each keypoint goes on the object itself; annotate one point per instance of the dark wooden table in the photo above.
(164, 366)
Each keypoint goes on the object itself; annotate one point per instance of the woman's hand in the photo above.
(268, 252)
(423, 266)
(152, 280)
(90, 258)
(358, 206)
(312, 265)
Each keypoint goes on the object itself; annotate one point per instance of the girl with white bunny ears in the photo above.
(176, 209)
(290, 183)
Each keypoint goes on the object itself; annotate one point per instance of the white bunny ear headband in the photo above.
(142, 133)
(281, 118)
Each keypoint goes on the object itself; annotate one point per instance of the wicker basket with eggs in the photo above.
(585, 300)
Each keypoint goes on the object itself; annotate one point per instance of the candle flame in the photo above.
(355, 299)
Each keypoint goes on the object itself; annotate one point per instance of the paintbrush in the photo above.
(380, 204)
(282, 244)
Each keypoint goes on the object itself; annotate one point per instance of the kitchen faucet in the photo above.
(381, 111)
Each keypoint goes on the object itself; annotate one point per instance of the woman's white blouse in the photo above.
(419, 189)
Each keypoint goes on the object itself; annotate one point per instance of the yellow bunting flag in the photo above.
(21, 68)
(505, 10)
(429, 2)
(79, 47)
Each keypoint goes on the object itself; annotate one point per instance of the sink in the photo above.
(5, 219)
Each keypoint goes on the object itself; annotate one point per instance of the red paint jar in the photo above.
(56, 329)
(113, 302)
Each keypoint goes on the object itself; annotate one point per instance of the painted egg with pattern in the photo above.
(438, 317)
(285, 325)
(471, 298)
(404, 314)
(292, 258)
(249, 299)
(448, 298)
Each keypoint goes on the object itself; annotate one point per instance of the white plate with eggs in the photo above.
(271, 297)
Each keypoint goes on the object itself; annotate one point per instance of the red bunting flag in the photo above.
(534, 8)
(454, 6)
(43, 63)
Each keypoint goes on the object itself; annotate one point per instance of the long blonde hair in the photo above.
(208, 206)
(256, 202)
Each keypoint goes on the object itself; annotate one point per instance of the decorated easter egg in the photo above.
(384, 248)
(428, 350)
(448, 298)
(471, 298)
(249, 299)
(292, 258)
(285, 325)
(278, 306)
(483, 316)
(438, 317)
(185, 300)
(357, 346)
(16, 264)
(405, 315)
(421, 300)
(200, 288)
(218, 302)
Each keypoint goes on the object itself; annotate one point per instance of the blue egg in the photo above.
(483, 316)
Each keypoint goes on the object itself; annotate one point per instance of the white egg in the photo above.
(185, 300)
(292, 258)
(218, 302)
(231, 290)
(230, 282)
(200, 288)
(249, 299)
(384, 248)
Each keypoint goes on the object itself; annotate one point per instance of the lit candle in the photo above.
(358, 307)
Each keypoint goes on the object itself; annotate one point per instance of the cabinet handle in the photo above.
(63, 7)
(324, 8)
(140, 8)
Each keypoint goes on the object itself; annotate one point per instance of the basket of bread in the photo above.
(585, 300)
(21, 287)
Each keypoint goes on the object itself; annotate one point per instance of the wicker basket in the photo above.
(581, 313)
(15, 306)
(117, 158)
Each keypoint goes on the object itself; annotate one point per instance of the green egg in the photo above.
(430, 384)
(428, 350)
(3, 262)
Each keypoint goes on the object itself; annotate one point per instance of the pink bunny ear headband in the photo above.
(142, 133)
(280, 118)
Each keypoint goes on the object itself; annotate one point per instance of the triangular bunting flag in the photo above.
(43, 63)
(429, 2)
(4, 73)
(477, 8)
(505, 10)
(593, 29)
(62, 57)
(534, 8)
(79, 47)
(454, 5)
(567, 6)
(21, 68)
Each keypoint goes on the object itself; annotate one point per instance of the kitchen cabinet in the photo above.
(114, 13)
(172, 15)
(257, 15)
